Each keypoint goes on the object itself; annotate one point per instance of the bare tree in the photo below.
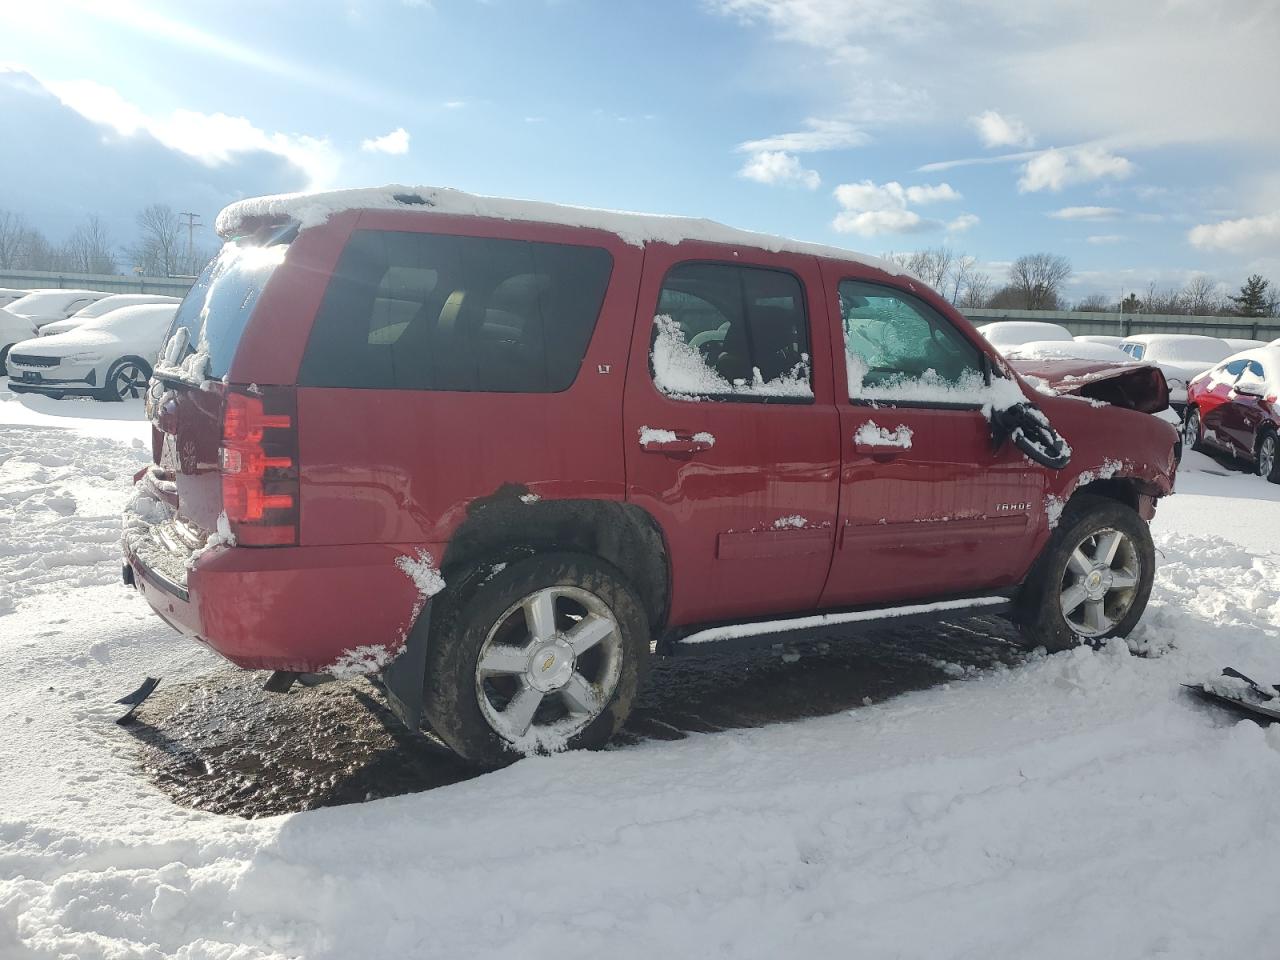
(961, 270)
(13, 239)
(1095, 303)
(158, 244)
(88, 249)
(1037, 279)
(1201, 296)
(977, 290)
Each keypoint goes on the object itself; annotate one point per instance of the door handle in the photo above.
(669, 441)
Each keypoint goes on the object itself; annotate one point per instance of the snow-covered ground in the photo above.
(1075, 805)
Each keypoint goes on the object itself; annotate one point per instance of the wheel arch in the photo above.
(506, 528)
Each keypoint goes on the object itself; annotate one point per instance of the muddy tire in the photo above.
(545, 654)
(1092, 580)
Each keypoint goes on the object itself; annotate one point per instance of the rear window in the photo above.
(424, 311)
(217, 308)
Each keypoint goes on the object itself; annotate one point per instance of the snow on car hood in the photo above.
(66, 344)
(1137, 386)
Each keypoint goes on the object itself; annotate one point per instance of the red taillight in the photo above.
(258, 463)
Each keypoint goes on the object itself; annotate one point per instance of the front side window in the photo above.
(422, 311)
(729, 332)
(897, 348)
(1135, 350)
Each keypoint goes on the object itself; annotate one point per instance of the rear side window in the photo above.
(730, 332)
(423, 311)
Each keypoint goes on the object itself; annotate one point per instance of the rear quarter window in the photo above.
(423, 311)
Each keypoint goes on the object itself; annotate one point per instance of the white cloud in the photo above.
(1106, 238)
(1246, 233)
(1087, 213)
(997, 130)
(1055, 168)
(870, 209)
(396, 143)
(213, 138)
(963, 222)
(817, 135)
(931, 193)
(779, 167)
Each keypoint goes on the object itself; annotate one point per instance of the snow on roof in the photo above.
(313, 209)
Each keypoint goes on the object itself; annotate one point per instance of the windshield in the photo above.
(139, 318)
(217, 308)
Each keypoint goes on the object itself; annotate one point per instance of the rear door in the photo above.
(730, 434)
(928, 505)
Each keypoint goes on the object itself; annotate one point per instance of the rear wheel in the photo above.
(1191, 430)
(126, 380)
(1269, 457)
(1093, 579)
(545, 655)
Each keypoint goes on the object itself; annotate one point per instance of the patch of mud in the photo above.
(227, 746)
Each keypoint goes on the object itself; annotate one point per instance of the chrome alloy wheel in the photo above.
(1100, 582)
(129, 382)
(549, 665)
(1267, 455)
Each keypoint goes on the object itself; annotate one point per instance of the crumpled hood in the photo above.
(1135, 386)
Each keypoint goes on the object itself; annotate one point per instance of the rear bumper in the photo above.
(307, 609)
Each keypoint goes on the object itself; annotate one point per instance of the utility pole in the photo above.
(191, 229)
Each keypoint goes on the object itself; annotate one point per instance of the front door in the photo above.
(731, 438)
(928, 506)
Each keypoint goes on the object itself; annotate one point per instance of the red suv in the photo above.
(1232, 408)
(500, 452)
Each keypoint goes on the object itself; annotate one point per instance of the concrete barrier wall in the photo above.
(1116, 325)
(108, 283)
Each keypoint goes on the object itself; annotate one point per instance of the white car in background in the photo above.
(1182, 357)
(1067, 350)
(10, 294)
(108, 358)
(12, 329)
(1010, 333)
(1110, 341)
(104, 306)
(46, 306)
(1241, 343)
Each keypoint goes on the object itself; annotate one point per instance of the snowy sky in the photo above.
(1137, 142)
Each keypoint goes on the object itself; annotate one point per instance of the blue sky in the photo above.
(1132, 137)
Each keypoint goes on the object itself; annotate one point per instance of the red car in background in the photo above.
(1232, 408)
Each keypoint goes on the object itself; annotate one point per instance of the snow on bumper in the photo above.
(316, 609)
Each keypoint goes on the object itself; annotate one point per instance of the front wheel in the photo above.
(1269, 457)
(542, 656)
(1191, 436)
(1093, 579)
